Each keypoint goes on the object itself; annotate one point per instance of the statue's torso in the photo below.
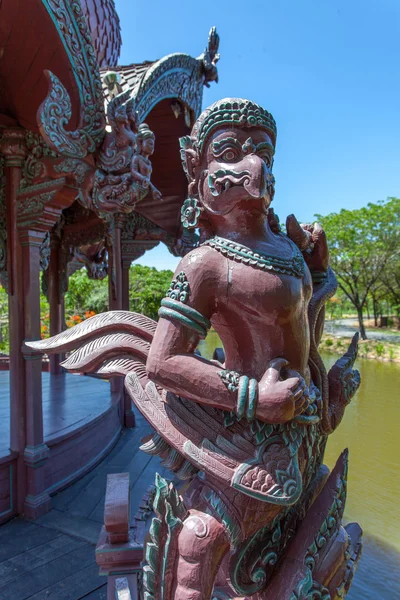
(261, 315)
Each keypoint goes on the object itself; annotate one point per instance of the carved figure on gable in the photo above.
(210, 57)
(141, 165)
(120, 175)
(259, 516)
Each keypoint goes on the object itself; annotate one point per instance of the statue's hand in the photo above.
(311, 240)
(281, 395)
(156, 194)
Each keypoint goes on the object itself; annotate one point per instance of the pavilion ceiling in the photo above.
(29, 44)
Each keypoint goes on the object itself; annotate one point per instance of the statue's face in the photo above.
(148, 145)
(236, 170)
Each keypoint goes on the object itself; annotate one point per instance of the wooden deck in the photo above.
(81, 423)
(54, 556)
(69, 401)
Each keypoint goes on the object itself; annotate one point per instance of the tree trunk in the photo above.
(361, 323)
(375, 309)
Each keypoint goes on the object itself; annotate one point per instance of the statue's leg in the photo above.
(202, 544)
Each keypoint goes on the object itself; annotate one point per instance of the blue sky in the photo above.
(328, 70)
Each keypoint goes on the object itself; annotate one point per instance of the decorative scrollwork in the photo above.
(37, 150)
(175, 76)
(45, 252)
(55, 112)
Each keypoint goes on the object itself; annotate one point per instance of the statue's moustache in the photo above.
(223, 179)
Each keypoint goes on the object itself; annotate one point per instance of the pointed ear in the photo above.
(189, 156)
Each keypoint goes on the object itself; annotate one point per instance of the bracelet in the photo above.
(247, 390)
(318, 277)
(253, 397)
(243, 390)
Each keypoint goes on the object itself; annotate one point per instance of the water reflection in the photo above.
(370, 429)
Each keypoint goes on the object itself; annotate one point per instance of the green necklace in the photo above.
(267, 262)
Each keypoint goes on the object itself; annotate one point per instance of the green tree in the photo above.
(390, 279)
(147, 287)
(86, 294)
(362, 244)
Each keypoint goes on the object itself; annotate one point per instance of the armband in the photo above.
(184, 315)
(175, 309)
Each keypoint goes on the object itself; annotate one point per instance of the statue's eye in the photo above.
(229, 155)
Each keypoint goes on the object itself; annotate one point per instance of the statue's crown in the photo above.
(236, 112)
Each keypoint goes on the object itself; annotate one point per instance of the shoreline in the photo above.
(383, 351)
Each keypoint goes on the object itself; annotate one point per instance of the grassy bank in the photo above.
(375, 349)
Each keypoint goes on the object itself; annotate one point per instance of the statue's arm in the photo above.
(279, 396)
(135, 171)
(172, 362)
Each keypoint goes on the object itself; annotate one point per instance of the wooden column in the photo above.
(13, 149)
(38, 209)
(115, 303)
(131, 250)
(55, 300)
(37, 501)
(126, 265)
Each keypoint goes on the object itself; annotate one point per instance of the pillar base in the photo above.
(35, 456)
(130, 419)
(37, 506)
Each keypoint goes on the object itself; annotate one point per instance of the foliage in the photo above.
(363, 244)
(86, 294)
(87, 297)
(372, 349)
(147, 287)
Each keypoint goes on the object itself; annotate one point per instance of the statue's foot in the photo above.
(321, 558)
(202, 544)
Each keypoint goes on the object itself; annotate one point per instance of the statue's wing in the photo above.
(344, 381)
(109, 344)
(193, 437)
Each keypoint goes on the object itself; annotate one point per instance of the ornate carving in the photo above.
(308, 588)
(93, 257)
(289, 266)
(71, 165)
(45, 252)
(210, 57)
(55, 111)
(81, 246)
(175, 76)
(12, 147)
(190, 213)
(37, 150)
(32, 202)
(164, 530)
(179, 288)
(261, 498)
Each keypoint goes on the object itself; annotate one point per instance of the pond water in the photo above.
(370, 429)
